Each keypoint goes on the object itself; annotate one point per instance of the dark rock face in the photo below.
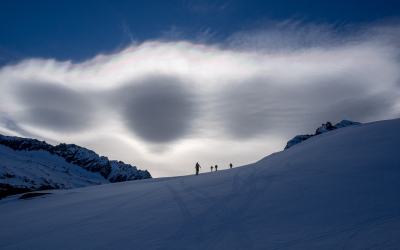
(84, 158)
(323, 129)
(6, 189)
(112, 171)
(17, 143)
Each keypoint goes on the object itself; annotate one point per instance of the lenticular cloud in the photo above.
(183, 97)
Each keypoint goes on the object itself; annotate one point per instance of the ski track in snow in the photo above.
(229, 219)
(378, 219)
(75, 224)
(334, 191)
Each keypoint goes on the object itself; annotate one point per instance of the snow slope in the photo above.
(336, 190)
(38, 169)
(28, 164)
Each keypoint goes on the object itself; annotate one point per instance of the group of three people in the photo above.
(197, 167)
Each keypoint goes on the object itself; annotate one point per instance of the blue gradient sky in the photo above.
(78, 30)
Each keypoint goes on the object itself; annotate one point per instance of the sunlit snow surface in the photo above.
(337, 190)
(33, 169)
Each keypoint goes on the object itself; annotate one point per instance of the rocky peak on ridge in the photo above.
(29, 164)
(323, 129)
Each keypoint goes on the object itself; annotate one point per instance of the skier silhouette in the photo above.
(230, 165)
(212, 168)
(216, 167)
(197, 168)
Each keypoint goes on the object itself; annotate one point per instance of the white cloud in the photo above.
(165, 106)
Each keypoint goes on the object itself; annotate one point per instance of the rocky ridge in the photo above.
(323, 129)
(66, 166)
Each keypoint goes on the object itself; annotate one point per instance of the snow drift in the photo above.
(336, 190)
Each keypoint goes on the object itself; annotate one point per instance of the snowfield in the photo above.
(336, 190)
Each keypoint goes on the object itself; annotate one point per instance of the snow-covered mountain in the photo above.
(337, 190)
(29, 164)
(323, 129)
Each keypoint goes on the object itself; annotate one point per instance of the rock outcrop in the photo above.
(323, 129)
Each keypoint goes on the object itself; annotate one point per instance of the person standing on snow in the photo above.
(212, 168)
(197, 168)
(216, 167)
(230, 165)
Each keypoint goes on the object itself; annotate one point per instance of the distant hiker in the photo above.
(197, 168)
(230, 165)
(216, 167)
(212, 168)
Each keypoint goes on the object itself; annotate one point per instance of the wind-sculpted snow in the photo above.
(323, 129)
(337, 190)
(29, 164)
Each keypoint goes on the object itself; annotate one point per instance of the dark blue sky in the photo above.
(78, 30)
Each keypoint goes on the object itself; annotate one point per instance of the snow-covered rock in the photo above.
(346, 123)
(29, 164)
(323, 129)
(297, 139)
